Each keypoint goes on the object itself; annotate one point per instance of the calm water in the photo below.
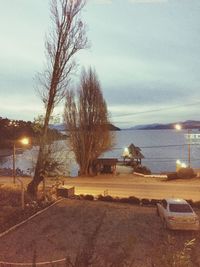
(161, 149)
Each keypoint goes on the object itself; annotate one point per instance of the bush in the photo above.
(88, 197)
(130, 200)
(145, 201)
(106, 198)
(154, 201)
(124, 200)
(134, 200)
(190, 201)
(186, 173)
(196, 204)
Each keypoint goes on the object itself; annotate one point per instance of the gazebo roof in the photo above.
(135, 152)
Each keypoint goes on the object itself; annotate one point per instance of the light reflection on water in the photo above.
(161, 149)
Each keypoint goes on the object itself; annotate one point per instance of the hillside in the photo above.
(62, 127)
(189, 124)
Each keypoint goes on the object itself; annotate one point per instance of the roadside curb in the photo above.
(150, 175)
(28, 219)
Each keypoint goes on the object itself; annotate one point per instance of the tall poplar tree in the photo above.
(87, 122)
(66, 38)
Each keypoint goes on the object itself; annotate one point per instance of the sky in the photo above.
(146, 54)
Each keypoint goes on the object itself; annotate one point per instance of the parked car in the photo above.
(177, 214)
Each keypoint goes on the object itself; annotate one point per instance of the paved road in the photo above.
(124, 187)
(141, 190)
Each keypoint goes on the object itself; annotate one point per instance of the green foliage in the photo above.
(12, 130)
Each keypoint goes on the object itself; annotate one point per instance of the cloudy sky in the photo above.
(146, 54)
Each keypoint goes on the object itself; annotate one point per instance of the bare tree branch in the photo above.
(87, 121)
(66, 38)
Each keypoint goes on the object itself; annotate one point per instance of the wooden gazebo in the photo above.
(135, 154)
(132, 155)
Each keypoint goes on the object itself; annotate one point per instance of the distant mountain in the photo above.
(61, 127)
(113, 127)
(189, 124)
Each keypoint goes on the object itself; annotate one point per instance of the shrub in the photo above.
(124, 200)
(88, 197)
(196, 204)
(154, 201)
(129, 200)
(134, 200)
(106, 198)
(190, 201)
(186, 173)
(145, 201)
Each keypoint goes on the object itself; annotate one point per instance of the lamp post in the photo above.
(23, 141)
(14, 158)
(189, 149)
(178, 127)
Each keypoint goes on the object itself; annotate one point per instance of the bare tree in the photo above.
(87, 121)
(66, 38)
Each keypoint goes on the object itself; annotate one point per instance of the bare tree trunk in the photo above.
(65, 40)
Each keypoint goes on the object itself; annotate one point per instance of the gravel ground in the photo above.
(117, 231)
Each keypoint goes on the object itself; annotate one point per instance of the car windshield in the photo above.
(180, 208)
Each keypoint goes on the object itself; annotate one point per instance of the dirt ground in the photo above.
(115, 231)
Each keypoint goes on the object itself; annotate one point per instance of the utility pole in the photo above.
(14, 158)
(189, 150)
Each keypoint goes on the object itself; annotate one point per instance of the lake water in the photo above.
(161, 149)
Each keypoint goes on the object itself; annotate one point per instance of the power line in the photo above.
(156, 110)
(160, 146)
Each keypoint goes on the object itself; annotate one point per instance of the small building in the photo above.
(104, 165)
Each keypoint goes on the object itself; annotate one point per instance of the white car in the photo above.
(177, 214)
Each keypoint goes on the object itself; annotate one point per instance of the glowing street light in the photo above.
(178, 127)
(180, 165)
(23, 141)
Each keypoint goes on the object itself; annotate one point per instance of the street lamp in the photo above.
(178, 127)
(23, 141)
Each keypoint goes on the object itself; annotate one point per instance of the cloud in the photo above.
(147, 1)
